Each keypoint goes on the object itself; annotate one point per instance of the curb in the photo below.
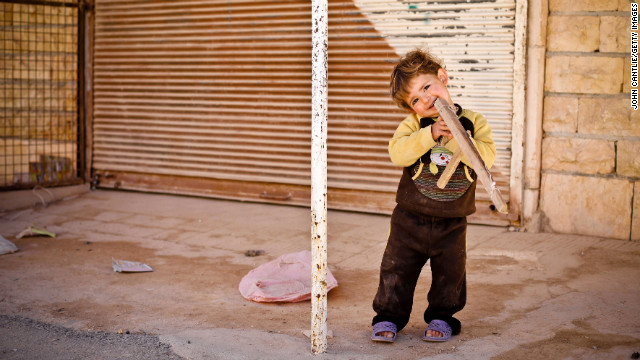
(22, 199)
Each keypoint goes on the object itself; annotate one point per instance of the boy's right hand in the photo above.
(440, 128)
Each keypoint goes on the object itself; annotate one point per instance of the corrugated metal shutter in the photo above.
(476, 41)
(212, 97)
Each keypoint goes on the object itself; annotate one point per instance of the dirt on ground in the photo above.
(533, 296)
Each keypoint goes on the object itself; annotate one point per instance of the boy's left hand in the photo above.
(440, 128)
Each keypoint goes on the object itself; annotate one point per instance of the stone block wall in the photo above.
(590, 181)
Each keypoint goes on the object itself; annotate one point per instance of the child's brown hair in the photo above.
(411, 65)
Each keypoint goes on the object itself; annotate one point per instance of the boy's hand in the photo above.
(439, 128)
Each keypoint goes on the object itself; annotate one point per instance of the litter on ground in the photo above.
(35, 231)
(285, 279)
(252, 253)
(130, 266)
(6, 246)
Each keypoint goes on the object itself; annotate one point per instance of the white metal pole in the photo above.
(319, 38)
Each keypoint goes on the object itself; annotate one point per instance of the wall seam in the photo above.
(587, 54)
(589, 13)
(584, 95)
(590, 136)
(611, 176)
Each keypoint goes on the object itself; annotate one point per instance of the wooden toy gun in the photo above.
(448, 114)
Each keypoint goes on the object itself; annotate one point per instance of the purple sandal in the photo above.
(441, 326)
(381, 327)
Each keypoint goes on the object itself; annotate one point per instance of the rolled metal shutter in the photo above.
(476, 41)
(213, 98)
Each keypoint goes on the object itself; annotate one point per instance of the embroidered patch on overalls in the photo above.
(426, 177)
(440, 155)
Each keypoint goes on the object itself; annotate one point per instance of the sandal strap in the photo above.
(441, 326)
(384, 326)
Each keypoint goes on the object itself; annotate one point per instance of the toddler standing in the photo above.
(428, 223)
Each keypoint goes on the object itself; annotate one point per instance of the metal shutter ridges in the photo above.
(221, 90)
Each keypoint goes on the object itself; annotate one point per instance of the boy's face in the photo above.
(424, 89)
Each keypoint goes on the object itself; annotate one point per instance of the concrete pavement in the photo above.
(534, 296)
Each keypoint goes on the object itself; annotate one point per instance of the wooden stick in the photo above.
(448, 114)
(450, 169)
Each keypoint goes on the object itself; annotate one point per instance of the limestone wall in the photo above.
(590, 169)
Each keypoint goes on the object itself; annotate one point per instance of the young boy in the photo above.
(428, 223)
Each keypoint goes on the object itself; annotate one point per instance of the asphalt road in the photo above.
(24, 338)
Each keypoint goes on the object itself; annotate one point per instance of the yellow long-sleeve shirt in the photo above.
(410, 142)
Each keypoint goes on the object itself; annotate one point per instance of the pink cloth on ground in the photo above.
(285, 279)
